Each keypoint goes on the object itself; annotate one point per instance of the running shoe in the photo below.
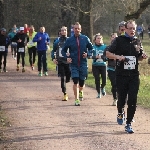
(4, 70)
(77, 102)
(121, 118)
(128, 128)
(81, 95)
(17, 68)
(46, 74)
(99, 95)
(103, 91)
(114, 102)
(23, 70)
(65, 97)
(32, 67)
(40, 74)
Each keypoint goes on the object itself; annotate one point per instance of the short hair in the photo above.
(122, 24)
(128, 22)
(114, 34)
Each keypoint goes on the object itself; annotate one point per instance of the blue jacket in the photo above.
(76, 51)
(98, 50)
(41, 44)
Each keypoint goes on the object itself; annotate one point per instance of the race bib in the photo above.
(31, 43)
(21, 50)
(138, 33)
(60, 54)
(13, 43)
(100, 53)
(2, 48)
(131, 63)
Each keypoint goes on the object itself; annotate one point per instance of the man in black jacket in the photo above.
(4, 43)
(21, 39)
(127, 51)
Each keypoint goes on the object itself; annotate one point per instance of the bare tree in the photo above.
(136, 14)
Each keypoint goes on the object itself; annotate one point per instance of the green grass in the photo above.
(144, 68)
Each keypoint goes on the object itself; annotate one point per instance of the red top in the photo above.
(26, 30)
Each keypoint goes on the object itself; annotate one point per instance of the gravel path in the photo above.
(41, 121)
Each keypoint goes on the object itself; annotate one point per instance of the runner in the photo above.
(31, 46)
(78, 46)
(42, 39)
(63, 66)
(99, 65)
(21, 39)
(127, 50)
(111, 72)
(13, 43)
(4, 43)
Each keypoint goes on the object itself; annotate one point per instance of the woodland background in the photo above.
(94, 15)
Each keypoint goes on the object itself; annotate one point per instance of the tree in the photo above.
(1, 13)
(136, 14)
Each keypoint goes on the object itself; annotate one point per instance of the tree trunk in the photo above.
(1, 13)
(84, 16)
(143, 5)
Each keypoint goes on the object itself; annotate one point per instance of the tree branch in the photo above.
(136, 14)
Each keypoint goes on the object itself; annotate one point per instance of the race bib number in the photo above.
(131, 63)
(13, 43)
(2, 48)
(100, 53)
(21, 50)
(30, 43)
(138, 33)
(60, 54)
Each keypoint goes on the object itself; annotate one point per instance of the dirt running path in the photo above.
(41, 121)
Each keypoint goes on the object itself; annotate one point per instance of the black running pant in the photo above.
(32, 55)
(5, 59)
(127, 85)
(64, 71)
(112, 78)
(22, 54)
(97, 71)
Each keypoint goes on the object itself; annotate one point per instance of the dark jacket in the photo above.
(76, 52)
(4, 41)
(126, 46)
(21, 36)
(57, 50)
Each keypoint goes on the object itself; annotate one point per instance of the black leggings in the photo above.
(97, 71)
(32, 55)
(5, 59)
(22, 57)
(64, 71)
(112, 78)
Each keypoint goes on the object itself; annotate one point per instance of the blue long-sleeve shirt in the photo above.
(76, 51)
(41, 44)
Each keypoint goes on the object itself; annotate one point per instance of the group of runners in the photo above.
(70, 54)
(123, 54)
(21, 38)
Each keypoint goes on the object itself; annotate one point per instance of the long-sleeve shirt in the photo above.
(41, 44)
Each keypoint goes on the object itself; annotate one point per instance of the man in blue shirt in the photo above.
(42, 38)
